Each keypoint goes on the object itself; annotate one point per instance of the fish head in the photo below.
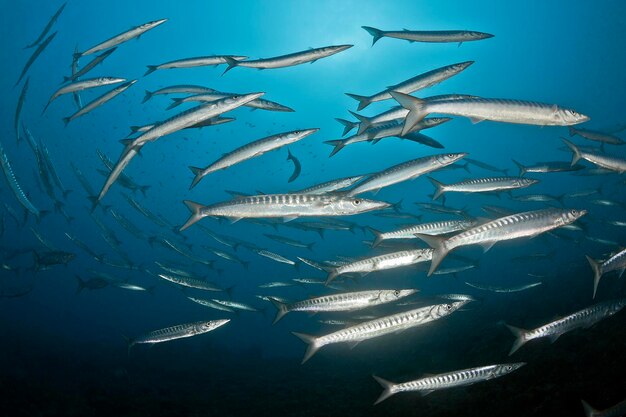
(449, 158)
(524, 182)
(153, 24)
(568, 116)
(507, 368)
(337, 48)
(442, 310)
(456, 68)
(300, 134)
(207, 326)
(387, 296)
(572, 215)
(354, 205)
(434, 121)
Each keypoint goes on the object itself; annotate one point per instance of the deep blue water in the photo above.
(63, 353)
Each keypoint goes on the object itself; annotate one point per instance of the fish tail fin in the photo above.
(66, 193)
(198, 176)
(151, 69)
(440, 188)
(77, 55)
(589, 410)
(347, 125)
(387, 388)
(66, 79)
(36, 259)
(310, 246)
(378, 236)
(576, 156)
(520, 335)
(246, 265)
(229, 291)
(81, 284)
(376, 33)
(147, 96)
(338, 144)
(414, 105)
(143, 189)
(522, 168)
(311, 342)
(364, 122)
(439, 249)
(175, 103)
(597, 273)
(364, 101)
(572, 131)
(66, 121)
(232, 63)
(281, 309)
(196, 214)
(94, 202)
(332, 274)
(129, 343)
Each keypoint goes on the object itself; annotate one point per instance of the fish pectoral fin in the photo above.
(475, 120)
(426, 392)
(234, 219)
(620, 273)
(487, 245)
(289, 218)
(352, 345)
(553, 338)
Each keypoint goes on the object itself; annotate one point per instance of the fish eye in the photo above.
(357, 202)
(450, 155)
(509, 368)
(448, 307)
(396, 293)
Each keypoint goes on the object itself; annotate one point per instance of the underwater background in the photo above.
(63, 352)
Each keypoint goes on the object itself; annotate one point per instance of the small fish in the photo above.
(604, 161)
(99, 101)
(431, 228)
(290, 242)
(544, 167)
(507, 290)
(35, 55)
(9, 175)
(448, 380)
(583, 318)
(200, 61)
(297, 167)
(76, 74)
(83, 85)
(236, 305)
(437, 36)
(596, 136)
(177, 332)
(18, 109)
(191, 282)
(47, 28)
(486, 166)
(211, 304)
(480, 185)
(44, 260)
(177, 89)
(275, 257)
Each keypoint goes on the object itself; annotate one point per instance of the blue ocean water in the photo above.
(63, 350)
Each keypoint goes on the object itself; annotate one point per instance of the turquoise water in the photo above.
(63, 352)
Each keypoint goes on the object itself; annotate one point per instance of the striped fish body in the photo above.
(432, 228)
(190, 282)
(616, 262)
(481, 185)
(583, 318)
(604, 161)
(380, 327)
(332, 185)
(99, 101)
(14, 185)
(178, 332)
(527, 224)
(121, 38)
(274, 256)
(288, 60)
(212, 96)
(437, 36)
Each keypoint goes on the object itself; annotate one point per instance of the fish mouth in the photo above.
(340, 48)
(307, 132)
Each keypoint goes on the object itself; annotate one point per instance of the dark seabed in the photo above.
(78, 280)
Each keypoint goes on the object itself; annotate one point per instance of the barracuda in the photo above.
(481, 185)
(616, 262)
(432, 228)
(177, 332)
(437, 36)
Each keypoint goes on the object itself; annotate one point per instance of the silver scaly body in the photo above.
(178, 332)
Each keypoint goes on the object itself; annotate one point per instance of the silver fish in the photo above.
(544, 167)
(210, 122)
(432, 228)
(211, 304)
(481, 185)
(405, 171)
(259, 103)
(177, 332)
(527, 224)
(9, 175)
(437, 36)
(274, 257)
(199, 284)
(18, 109)
(507, 290)
(350, 301)
(379, 327)
(83, 85)
(177, 89)
(419, 82)
(99, 101)
(616, 262)
(497, 110)
(290, 242)
(234, 304)
(251, 150)
(448, 380)
(76, 74)
(382, 262)
(583, 318)
(121, 38)
(46, 29)
(35, 55)
(601, 160)
(200, 61)
(287, 206)
(596, 136)
(296, 58)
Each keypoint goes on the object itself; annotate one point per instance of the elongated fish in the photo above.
(121, 38)
(297, 166)
(211, 304)
(47, 28)
(419, 82)
(290, 242)
(274, 257)
(9, 175)
(249, 151)
(99, 101)
(18, 109)
(617, 410)
(545, 167)
(332, 185)
(177, 332)
(287, 206)
(596, 136)
(35, 55)
(379, 327)
(616, 262)
(527, 224)
(83, 85)
(381, 262)
(349, 301)
(200, 61)
(601, 160)
(296, 58)
(259, 103)
(493, 288)
(432, 228)
(448, 380)
(497, 110)
(190, 282)
(583, 318)
(210, 122)
(437, 36)
(178, 122)
(481, 185)
(178, 89)
(405, 171)
(76, 74)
